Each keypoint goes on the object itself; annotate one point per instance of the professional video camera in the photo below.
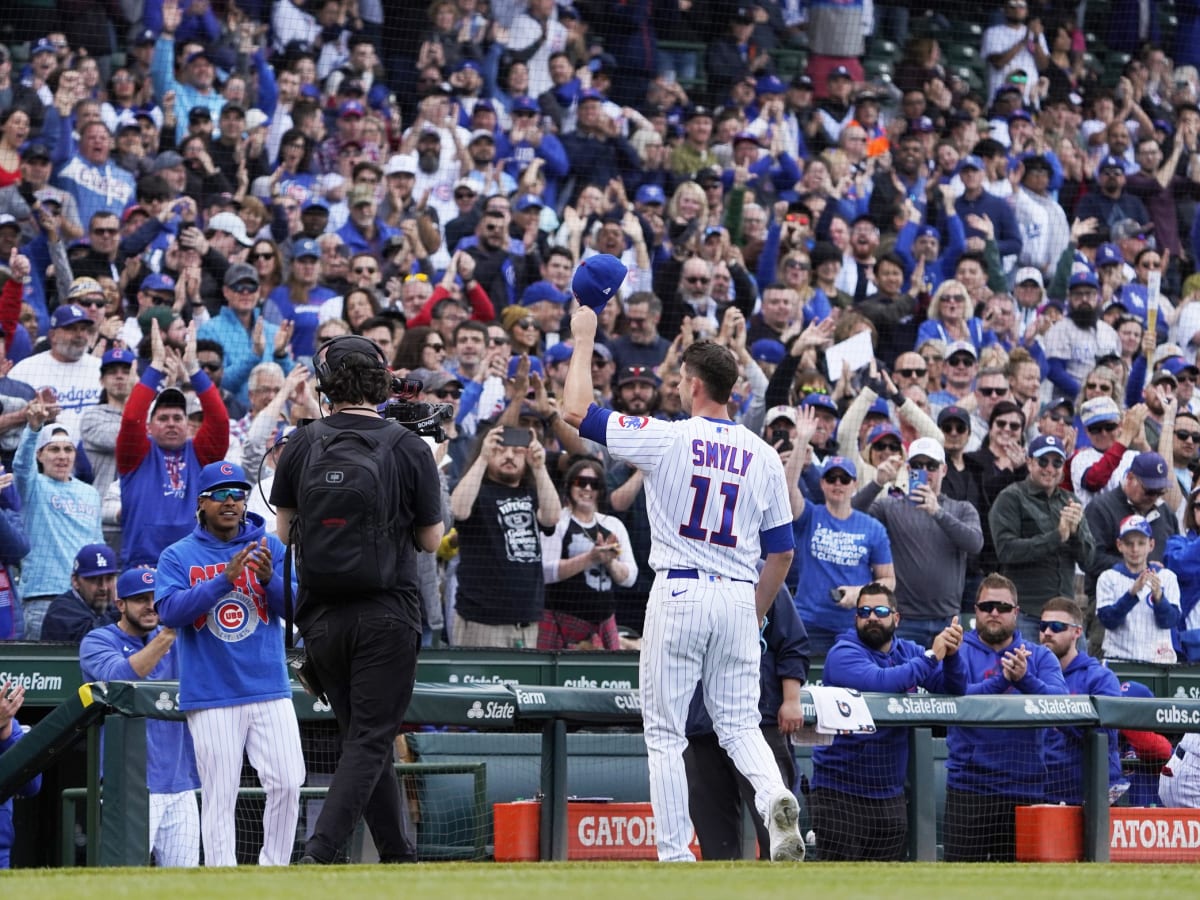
(421, 418)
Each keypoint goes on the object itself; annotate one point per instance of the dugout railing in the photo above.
(555, 712)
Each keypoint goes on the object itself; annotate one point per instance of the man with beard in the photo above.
(991, 771)
(857, 800)
(501, 506)
(1061, 627)
(494, 268)
(89, 602)
(365, 232)
(133, 648)
(637, 391)
(1112, 204)
(435, 177)
(1074, 344)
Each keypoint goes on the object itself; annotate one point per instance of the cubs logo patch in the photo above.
(234, 618)
(225, 469)
(632, 423)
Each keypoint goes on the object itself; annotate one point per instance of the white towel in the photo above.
(841, 711)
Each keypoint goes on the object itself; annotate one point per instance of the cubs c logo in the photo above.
(632, 423)
(225, 469)
(148, 577)
(233, 619)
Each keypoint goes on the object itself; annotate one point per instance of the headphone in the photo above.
(342, 346)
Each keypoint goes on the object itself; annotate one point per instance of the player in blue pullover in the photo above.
(133, 648)
(1060, 629)
(221, 588)
(857, 798)
(991, 771)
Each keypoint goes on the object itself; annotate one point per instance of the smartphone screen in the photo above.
(515, 437)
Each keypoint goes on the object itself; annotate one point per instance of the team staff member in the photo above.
(857, 799)
(992, 771)
(363, 647)
(133, 648)
(716, 790)
(221, 589)
(711, 514)
(11, 698)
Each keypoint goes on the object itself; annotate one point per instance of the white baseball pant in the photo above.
(175, 829)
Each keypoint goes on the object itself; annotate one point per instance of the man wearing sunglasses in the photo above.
(1102, 466)
(1061, 628)
(931, 537)
(857, 816)
(991, 771)
(1039, 532)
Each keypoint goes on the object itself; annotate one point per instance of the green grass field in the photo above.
(616, 881)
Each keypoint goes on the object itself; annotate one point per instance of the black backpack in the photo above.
(345, 530)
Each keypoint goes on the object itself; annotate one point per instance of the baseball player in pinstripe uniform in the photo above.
(221, 589)
(715, 496)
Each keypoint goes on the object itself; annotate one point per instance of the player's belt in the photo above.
(694, 574)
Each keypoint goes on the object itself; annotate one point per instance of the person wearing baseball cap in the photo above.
(89, 602)
(153, 450)
(100, 423)
(67, 369)
(1073, 344)
(137, 647)
(693, 154)
(221, 588)
(1040, 533)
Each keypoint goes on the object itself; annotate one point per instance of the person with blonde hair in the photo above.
(947, 319)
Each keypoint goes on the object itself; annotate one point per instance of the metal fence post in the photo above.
(1095, 796)
(922, 797)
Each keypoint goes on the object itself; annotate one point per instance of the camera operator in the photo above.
(359, 606)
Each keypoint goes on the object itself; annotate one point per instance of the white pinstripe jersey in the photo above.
(711, 488)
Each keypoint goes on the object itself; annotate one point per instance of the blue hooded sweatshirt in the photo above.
(1007, 762)
(1064, 746)
(229, 636)
(875, 765)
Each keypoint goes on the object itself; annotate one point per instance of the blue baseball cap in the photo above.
(970, 161)
(528, 201)
(768, 350)
(118, 356)
(650, 193)
(879, 407)
(135, 582)
(1177, 364)
(1044, 444)
(542, 290)
(1134, 525)
(468, 64)
(928, 231)
(598, 279)
(222, 474)
(157, 281)
(93, 560)
(535, 366)
(1020, 114)
(42, 45)
(1083, 279)
(843, 463)
(560, 352)
(524, 104)
(306, 247)
(770, 84)
(1151, 470)
(1136, 689)
(820, 401)
(1111, 162)
(68, 315)
(1108, 255)
(590, 94)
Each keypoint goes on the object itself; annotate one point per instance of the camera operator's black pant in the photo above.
(366, 659)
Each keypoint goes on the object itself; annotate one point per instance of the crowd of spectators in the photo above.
(1000, 270)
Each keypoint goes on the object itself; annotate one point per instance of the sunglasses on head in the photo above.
(1102, 428)
(953, 426)
(995, 606)
(1050, 459)
(880, 612)
(586, 481)
(837, 478)
(912, 373)
(1056, 627)
(220, 495)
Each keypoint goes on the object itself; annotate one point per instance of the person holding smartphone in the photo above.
(502, 507)
(931, 538)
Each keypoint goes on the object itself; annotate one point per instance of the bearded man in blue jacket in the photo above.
(992, 771)
(857, 798)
